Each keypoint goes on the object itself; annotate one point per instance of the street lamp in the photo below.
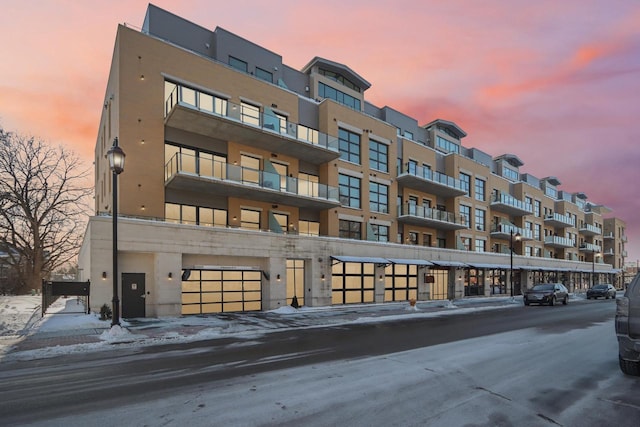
(116, 164)
(517, 236)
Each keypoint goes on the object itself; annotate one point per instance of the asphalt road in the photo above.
(41, 390)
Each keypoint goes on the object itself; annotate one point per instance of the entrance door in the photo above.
(133, 295)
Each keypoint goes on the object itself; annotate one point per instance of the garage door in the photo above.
(219, 291)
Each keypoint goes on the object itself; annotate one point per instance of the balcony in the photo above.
(609, 236)
(589, 247)
(429, 217)
(503, 202)
(204, 114)
(210, 177)
(503, 231)
(559, 220)
(590, 230)
(424, 179)
(608, 252)
(559, 242)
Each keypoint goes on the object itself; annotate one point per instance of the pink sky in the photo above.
(555, 82)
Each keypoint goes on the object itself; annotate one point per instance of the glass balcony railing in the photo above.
(429, 175)
(248, 115)
(560, 218)
(182, 163)
(509, 200)
(507, 229)
(432, 214)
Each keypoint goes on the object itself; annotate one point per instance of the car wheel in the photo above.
(629, 367)
(606, 297)
(565, 301)
(553, 301)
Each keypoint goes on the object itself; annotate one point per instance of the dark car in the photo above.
(546, 293)
(628, 328)
(601, 291)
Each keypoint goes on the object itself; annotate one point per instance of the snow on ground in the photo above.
(66, 317)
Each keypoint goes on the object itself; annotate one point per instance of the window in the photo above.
(510, 174)
(412, 167)
(349, 190)
(250, 169)
(465, 213)
(309, 228)
(378, 197)
(250, 219)
(408, 135)
(480, 219)
(308, 185)
(465, 182)
(264, 75)
(481, 245)
(442, 242)
(466, 243)
(412, 238)
(249, 114)
(339, 78)
(446, 145)
(350, 229)
(381, 232)
(325, 91)
(551, 192)
(426, 239)
(238, 64)
(378, 156)
(536, 208)
(195, 215)
(349, 146)
(480, 190)
(537, 231)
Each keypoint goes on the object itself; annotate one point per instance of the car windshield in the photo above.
(547, 287)
(600, 287)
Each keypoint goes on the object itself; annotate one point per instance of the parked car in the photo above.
(628, 328)
(546, 293)
(601, 291)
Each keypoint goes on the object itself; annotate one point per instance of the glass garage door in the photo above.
(219, 291)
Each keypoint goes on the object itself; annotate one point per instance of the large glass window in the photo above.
(381, 232)
(349, 146)
(238, 64)
(339, 78)
(264, 75)
(481, 245)
(446, 145)
(465, 182)
(215, 291)
(250, 114)
(480, 219)
(378, 156)
(465, 213)
(309, 228)
(378, 197)
(510, 174)
(537, 207)
(480, 189)
(352, 283)
(349, 191)
(196, 215)
(250, 219)
(350, 229)
(325, 91)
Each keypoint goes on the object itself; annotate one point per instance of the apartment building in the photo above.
(250, 185)
(614, 252)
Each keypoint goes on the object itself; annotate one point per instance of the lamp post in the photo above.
(517, 236)
(116, 164)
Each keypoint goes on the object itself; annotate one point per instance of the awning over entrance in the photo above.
(491, 266)
(372, 260)
(440, 263)
(420, 262)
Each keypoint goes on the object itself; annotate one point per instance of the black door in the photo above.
(133, 295)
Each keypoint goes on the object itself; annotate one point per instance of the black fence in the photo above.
(51, 291)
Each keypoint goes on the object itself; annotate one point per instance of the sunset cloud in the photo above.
(554, 82)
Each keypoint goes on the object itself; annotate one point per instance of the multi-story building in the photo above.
(614, 252)
(249, 184)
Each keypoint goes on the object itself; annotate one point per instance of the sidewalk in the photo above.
(152, 331)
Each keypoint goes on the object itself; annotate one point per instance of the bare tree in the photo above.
(43, 206)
